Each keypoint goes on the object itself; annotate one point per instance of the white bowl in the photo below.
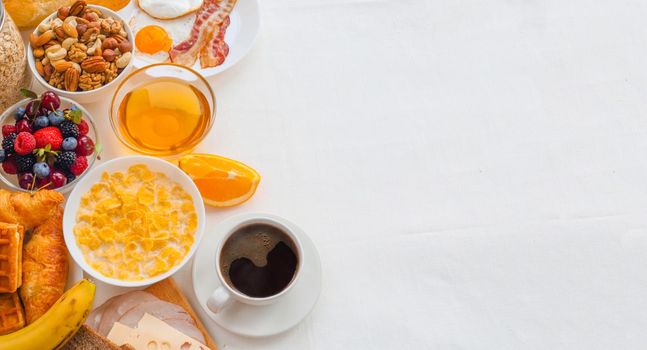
(122, 164)
(84, 96)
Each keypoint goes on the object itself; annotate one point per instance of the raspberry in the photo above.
(65, 160)
(7, 143)
(79, 166)
(24, 144)
(8, 129)
(25, 163)
(49, 136)
(9, 166)
(83, 128)
(69, 129)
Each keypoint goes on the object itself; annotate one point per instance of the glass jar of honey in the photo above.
(13, 61)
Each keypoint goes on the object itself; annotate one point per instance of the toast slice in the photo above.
(88, 339)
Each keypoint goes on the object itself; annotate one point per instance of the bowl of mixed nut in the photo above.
(80, 51)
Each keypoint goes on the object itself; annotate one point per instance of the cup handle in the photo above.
(218, 300)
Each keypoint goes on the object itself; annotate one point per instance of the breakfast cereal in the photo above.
(135, 225)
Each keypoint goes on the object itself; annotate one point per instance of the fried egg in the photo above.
(152, 39)
(168, 9)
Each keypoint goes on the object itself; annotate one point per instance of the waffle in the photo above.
(11, 237)
(11, 314)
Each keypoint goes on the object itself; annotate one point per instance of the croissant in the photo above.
(28, 210)
(44, 267)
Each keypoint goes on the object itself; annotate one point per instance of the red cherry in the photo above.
(23, 126)
(49, 101)
(57, 179)
(85, 146)
(26, 181)
(32, 109)
(9, 166)
(43, 183)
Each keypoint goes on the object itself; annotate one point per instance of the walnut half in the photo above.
(91, 81)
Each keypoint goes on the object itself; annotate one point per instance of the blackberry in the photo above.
(70, 177)
(24, 163)
(65, 160)
(69, 129)
(8, 141)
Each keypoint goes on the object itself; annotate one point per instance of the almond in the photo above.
(70, 30)
(61, 65)
(40, 69)
(39, 40)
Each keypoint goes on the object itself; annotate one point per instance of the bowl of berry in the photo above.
(48, 142)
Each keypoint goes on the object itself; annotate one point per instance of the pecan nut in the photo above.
(71, 80)
(120, 38)
(94, 64)
(77, 8)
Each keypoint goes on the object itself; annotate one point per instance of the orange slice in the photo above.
(222, 182)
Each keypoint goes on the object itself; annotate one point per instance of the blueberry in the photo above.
(41, 122)
(41, 169)
(2, 155)
(75, 108)
(56, 117)
(69, 144)
(20, 113)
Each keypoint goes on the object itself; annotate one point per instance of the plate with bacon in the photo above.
(206, 35)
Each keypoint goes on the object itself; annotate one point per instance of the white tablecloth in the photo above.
(472, 172)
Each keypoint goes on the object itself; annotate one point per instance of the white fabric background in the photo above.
(472, 172)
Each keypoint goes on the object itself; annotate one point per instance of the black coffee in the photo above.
(259, 260)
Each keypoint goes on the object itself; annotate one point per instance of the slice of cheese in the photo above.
(153, 334)
(152, 324)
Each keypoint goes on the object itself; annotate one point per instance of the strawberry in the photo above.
(83, 128)
(79, 165)
(8, 129)
(50, 135)
(24, 144)
(9, 166)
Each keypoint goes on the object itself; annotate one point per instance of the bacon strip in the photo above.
(214, 53)
(210, 16)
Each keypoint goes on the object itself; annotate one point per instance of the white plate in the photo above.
(257, 321)
(122, 164)
(241, 33)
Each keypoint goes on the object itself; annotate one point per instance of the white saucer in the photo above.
(257, 321)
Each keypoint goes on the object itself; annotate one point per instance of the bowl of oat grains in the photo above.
(13, 62)
(81, 51)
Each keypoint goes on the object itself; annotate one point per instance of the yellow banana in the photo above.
(53, 329)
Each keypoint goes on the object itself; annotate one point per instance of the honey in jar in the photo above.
(164, 116)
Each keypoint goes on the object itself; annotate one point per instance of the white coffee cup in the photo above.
(225, 294)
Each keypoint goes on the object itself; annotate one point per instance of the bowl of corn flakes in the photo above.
(133, 221)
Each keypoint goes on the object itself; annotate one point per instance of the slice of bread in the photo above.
(88, 339)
